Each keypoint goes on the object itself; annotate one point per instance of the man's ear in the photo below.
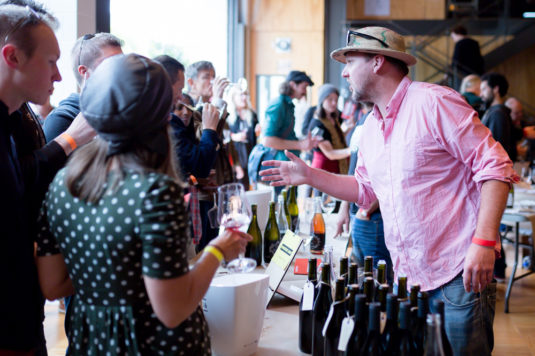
(11, 55)
(190, 83)
(82, 70)
(378, 62)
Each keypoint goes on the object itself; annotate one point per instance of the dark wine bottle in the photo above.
(413, 296)
(369, 291)
(419, 331)
(372, 346)
(381, 293)
(343, 269)
(368, 264)
(433, 345)
(390, 335)
(446, 346)
(271, 234)
(254, 247)
(317, 244)
(306, 311)
(332, 332)
(352, 276)
(358, 336)
(402, 288)
(352, 291)
(293, 208)
(381, 272)
(322, 305)
(406, 346)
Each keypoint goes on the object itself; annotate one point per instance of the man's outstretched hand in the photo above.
(293, 172)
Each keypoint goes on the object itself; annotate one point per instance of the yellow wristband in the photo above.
(69, 140)
(216, 252)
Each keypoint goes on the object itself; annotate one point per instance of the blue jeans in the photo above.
(469, 316)
(369, 240)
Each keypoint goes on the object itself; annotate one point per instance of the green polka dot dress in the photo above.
(140, 229)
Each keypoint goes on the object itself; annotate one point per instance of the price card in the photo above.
(308, 296)
(345, 333)
(286, 250)
(328, 320)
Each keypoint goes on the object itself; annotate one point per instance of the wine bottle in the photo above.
(284, 193)
(402, 288)
(381, 272)
(406, 347)
(352, 276)
(271, 234)
(332, 330)
(306, 308)
(293, 208)
(419, 332)
(282, 220)
(446, 346)
(322, 305)
(369, 290)
(433, 345)
(343, 269)
(352, 291)
(317, 244)
(358, 336)
(413, 295)
(368, 264)
(382, 291)
(390, 335)
(254, 247)
(511, 198)
(372, 346)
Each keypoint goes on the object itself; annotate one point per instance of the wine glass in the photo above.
(526, 174)
(234, 213)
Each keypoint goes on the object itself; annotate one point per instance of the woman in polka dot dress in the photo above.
(114, 226)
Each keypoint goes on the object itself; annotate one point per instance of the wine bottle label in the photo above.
(383, 321)
(328, 320)
(308, 296)
(345, 333)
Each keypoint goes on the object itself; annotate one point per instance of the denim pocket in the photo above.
(455, 295)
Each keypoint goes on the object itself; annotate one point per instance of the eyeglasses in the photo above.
(85, 38)
(32, 18)
(365, 36)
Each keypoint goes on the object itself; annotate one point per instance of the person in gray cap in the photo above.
(440, 178)
(114, 225)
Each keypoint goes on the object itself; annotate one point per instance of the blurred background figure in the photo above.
(470, 90)
(42, 111)
(244, 127)
(467, 58)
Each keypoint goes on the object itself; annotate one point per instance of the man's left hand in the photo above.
(478, 268)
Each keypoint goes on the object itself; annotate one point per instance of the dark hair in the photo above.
(171, 66)
(399, 64)
(496, 80)
(459, 30)
(91, 51)
(286, 89)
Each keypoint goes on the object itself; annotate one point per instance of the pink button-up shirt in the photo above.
(425, 161)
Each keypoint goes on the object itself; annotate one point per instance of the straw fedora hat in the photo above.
(374, 39)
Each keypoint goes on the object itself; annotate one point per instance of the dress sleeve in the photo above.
(164, 230)
(47, 244)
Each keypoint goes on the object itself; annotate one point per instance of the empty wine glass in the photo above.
(526, 174)
(234, 213)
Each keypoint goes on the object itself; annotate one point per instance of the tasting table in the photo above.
(521, 216)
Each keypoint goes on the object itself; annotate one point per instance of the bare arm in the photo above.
(53, 277)
(333, 154)
(305, 144)
(296, 172)
(479, 261)
(175, 299)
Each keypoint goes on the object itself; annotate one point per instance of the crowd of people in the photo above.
(106, 196)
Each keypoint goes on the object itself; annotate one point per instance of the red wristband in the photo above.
(481, 242)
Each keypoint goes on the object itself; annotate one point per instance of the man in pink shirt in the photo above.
(440, 178)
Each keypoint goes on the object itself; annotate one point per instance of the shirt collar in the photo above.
(395, 102)
(287, 99)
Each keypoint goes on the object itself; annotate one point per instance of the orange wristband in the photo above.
(481, 242)
(69, 140)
